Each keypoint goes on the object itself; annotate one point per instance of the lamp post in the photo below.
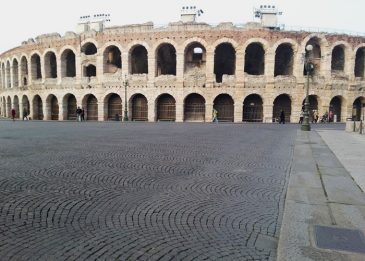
(309, 69)
(125, 83)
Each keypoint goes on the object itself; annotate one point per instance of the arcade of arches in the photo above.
(166, 107)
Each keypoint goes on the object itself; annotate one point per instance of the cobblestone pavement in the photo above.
(137, 191)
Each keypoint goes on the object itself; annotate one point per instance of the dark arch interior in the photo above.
(112, 59)
(338, 59)
(194, 108)
(90, 70)
(224, 61)
(255, 59)
(115, 108)
(358, 112)
(166, 60)
(89, 49)
(335, 108)
(253, 109)
(359, 63)
(166, 108)
(139, 108)
(37, 108)
(282, 103)
(36, 67)
(224, 106)
(284, 60)
(50, 65)
(139, 62)
(68, 64)
(71, 107)
(195, 56)
(92, 108)
(54, 108)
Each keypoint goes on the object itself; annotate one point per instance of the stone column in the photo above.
(208, 112)
(101, 111)
(151, 111)
(179, 112)
(180, 66)
(238, 112)
(59, 70)
(21, 110)
(43, 69)
(210, 68)
(151, 66)
(269, 63)
(11, 76)
(99, 68)
(46, 109)
(267, 113)
(125, 65)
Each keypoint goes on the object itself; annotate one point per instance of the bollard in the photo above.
(360, 127)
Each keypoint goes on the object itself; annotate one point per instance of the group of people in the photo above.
(314, 116)
(25, 114)
(80, 114)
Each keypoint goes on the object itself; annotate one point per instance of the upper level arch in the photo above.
(165, 59)
(255, 59)
(89, 48)
(112, 59)
(224, 60)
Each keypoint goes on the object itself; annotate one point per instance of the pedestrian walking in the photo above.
(25, 114)
(282, 117)
(82, 114)
(215, 115)
(13, 113)
(78, 114)
(315, 116)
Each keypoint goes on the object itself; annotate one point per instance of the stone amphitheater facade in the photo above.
(181, 72)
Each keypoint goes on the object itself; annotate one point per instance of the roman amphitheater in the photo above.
(181, 71)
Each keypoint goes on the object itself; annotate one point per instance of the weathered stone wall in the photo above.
(20, 84)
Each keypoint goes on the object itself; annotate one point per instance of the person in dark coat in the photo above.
(282, 117)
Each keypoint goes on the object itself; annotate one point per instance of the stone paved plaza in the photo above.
(139, 191)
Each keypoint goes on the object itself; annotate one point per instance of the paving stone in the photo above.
(139, 191)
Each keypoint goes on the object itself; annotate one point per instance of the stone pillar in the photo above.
(151, 111)
(7, 112)
(43, 69)
(151, 66)
(46, 109)
(208, 112)
(21, 111)
(101, 111)
(125, 65)
(20, 80)
(11, 76)
(210, 68)
(179, 112)
(59, 70)
(269, 63)
(180, 66)
(238, 112)
(267, 113)
(240, 67)
(99, 68)
(62, 111)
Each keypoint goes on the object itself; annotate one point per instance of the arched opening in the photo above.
(68, 64)
(8, 104)
(26, 106)
(114, 106)
(70, 106)
(15, 73)
(90, 70)
(224, 106)
(224, 61)
(37, 108)
(8, 75)
(315, 56)
(284, 60)
(166, 108)
(194, 108)
(16, 106)
(139, 60)
(338, 59)
(253, 108)
(255, 59)
(24, 71)
(139, 108)
(166, 60)
(313, 106)
(89, 49)
(112, 59)
(36, 67)
(358, 111)
(282, 103)
(335, 109)
(53, 107)
(50, 65)
(360, 62)
(195, 57)
(91, 108)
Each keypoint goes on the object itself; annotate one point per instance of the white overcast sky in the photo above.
(23, 19)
